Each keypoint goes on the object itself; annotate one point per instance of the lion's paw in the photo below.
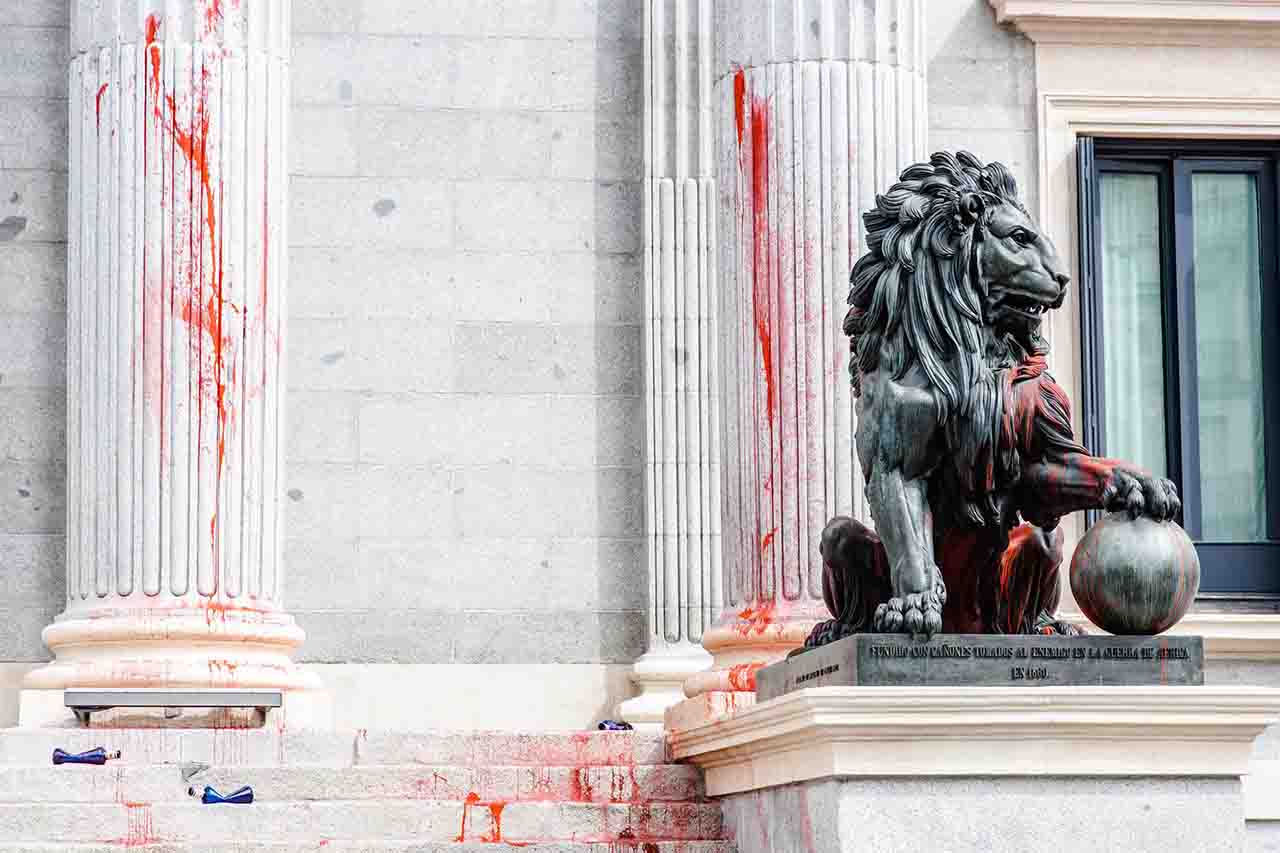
(918, 614)
(1047, 625)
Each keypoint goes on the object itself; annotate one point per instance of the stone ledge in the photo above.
(1228, 23)
(980, 731)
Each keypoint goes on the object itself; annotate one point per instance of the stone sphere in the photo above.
(1135, 575)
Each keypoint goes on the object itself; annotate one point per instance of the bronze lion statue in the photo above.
(964, 438)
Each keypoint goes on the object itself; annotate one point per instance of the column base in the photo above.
(202, 644)
(755, 637)
(660, 675)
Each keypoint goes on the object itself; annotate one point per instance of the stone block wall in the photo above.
(33, 222)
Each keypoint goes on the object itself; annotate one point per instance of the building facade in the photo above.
(531, 272)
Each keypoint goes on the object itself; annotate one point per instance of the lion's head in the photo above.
(956, 278)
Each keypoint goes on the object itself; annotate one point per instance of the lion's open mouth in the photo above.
(1018, 303)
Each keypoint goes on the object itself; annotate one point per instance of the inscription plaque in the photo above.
(953, 660)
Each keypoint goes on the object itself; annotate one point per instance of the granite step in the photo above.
(339, 846)
(136, 824)
(265, 747)
(116, 783)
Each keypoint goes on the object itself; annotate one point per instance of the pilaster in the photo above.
(682, 410)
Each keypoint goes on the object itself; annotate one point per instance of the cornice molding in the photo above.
(1222, 23)
(980, 731)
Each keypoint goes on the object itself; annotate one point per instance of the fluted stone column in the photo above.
(821, 104)
(682, 461)
(176, 274)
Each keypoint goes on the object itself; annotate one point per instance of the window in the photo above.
(1181, 338)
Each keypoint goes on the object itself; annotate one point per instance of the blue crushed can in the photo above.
(239, 797)
(97, 755)
(613, 726)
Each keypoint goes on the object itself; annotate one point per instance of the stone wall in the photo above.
(982, 89)
(33, 224)
(465, 436)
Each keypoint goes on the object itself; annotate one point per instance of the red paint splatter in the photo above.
(495, 830)
(212, 16)
(102, 90)
(743, 676)
(756, 620)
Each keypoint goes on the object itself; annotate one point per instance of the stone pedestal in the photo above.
(176, 276)
(819, 106)
(986, 768)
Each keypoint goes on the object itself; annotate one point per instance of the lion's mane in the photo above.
(916, 299)
(916, 295)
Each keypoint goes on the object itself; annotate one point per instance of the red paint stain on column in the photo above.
(743, 676)
(754, 163)
(102, 90)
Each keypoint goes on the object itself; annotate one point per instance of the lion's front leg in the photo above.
(905, 524)
(1078, 481)
(897, 424)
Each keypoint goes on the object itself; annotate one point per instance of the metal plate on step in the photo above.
(84, 701)
(866, 660)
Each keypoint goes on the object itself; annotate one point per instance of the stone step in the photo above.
(339, 846)
(271, 748)
(155, 784)
(135, 824)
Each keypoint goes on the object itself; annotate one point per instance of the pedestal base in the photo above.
(1194, 815)
(985, 768)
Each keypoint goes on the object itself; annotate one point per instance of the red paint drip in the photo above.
(757, 162)
(739, 101)
(212, 15)
(153, 51)
(102, 90)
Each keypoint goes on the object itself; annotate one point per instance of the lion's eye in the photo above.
(1023, 237)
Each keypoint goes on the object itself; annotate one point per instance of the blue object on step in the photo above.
(613, 726)
(97, 755)
(239, 797)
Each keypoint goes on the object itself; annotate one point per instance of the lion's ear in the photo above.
(969, 207)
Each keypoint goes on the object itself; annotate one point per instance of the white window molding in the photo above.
(1063, 118)
(1234, 23)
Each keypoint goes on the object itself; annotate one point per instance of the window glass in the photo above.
(1134, 408)
(1229, 379)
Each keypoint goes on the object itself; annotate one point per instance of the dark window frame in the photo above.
(1230, 570)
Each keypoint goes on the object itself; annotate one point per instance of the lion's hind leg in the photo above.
(855, 579)
(1027, 589)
